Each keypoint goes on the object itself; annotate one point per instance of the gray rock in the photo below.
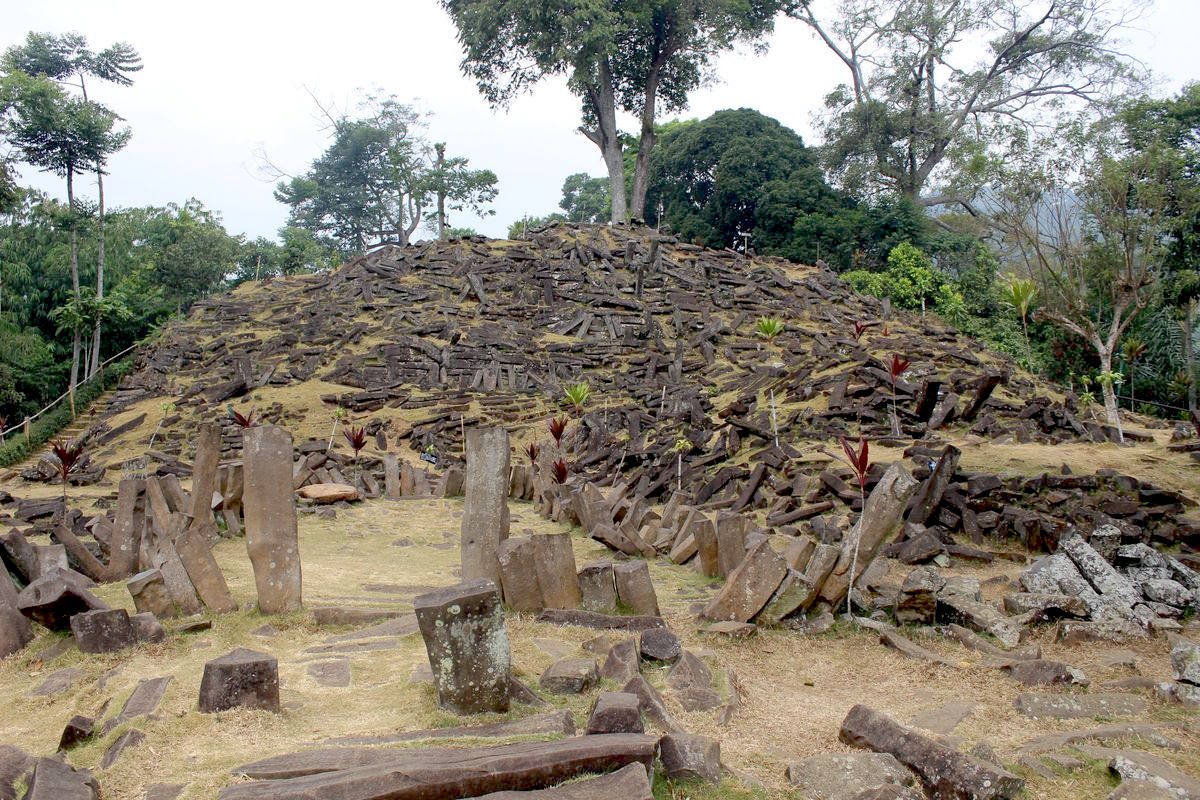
(659, 644)
(596, 583)
(55, 597)
(77, 731)
(1115, 631)
(103, 630)
(1185, 660)
(1039, 672)
(635, 590)
(689, 756)
(1168, 592)
(916, 603)
(147, 628)
(468, 647)
(615, 712)
(485, 521)
(570, 676)
(270, 518)
(518, 574)
(1109, 583)
(56, 780)
(845, 776)
(622, 662)
(240, 679)
(1105, 540)
(1045, 606)
(1079, 706)
(150, 596)
(554, 560)
(959, 608)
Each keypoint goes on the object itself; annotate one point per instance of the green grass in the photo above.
(16, 449)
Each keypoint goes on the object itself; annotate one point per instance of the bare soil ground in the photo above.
(379, 554)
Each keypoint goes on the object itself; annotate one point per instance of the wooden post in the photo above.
(26, 427)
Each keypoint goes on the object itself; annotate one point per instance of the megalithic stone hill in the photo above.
(420, 344)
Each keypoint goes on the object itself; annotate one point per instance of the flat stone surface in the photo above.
(555, 722)
(130, 738)
(659, 644)
(57, 682)
(622, 662)
(1185, 660)
(1079, 706)
(334, 674)
(749, 586)
(944, 719)
(142, 701)
(1039, 672)
(844, 776)
(55, 780)
(635, 590)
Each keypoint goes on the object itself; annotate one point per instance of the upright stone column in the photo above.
(270, 512)
(463, 628)
(204, 471)
(15, 631)
(485, 518)
(123, 550)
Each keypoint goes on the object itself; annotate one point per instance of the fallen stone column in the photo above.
(946, 773)
(448, 773)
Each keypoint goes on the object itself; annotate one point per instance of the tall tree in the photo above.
(920, 114)
(66, 59)
(67, 136)
(584, 198)
(456, 186)
(1087, 220)
(378, 180)
(617, 55)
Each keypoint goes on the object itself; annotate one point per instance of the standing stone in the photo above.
(170, 566)
(55, 597)
(485, 513)
(554, 558)
(463, 629)
(881, 516)
(271, 518)
(242, 678)
(731, 542)
(705, 533)
(750, 586)
(204, 472)
(929, 496)
(518, 574)
(635, 590)
(597, 587)
(103, 630)
(15, 631)
(122, 559)
(206, 576)
(391, 476)
(149, 594)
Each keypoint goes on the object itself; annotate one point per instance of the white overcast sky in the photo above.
(223, 80)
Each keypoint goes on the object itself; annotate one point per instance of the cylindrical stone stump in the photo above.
(270, 516)
(464, 633)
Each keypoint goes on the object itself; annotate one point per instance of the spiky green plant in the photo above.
(578, 395)
(1019, 294)
(768, 328)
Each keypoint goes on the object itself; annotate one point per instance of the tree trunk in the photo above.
(75, 342)
(99, 275)
(441, 194)
(1189, 358)
(641, 168)
(603, 99)
(1109, 392)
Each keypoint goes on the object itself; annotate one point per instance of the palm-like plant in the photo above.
(898, 367)
(578, 395)
(532, 449)
(67, 457)
(339, 414)
(859, 329)
(559, 469)
(768, 328)
(860, 463)
(1019, 294)
(1132, 350)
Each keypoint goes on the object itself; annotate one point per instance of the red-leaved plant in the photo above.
(67, 456)
(558, 425)
(357, 438)
(532, 451)
(899, 367)
(243, 420)
(859, 329)
(860, 463)
(560, 471)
